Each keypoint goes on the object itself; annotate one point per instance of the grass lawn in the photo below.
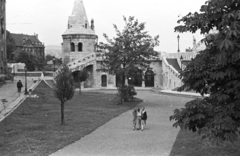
(34, 127)
(189, 144)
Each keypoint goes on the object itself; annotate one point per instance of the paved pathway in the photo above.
(116, 138)
(9, 92)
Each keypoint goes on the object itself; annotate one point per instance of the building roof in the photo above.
(26, 40)
(79, 30)
(78, 21)
(173, 62)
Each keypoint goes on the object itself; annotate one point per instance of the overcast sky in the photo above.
(48, 18)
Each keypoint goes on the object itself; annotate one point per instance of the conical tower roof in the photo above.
(78, 21)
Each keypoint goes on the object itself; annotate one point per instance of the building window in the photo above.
(80, 46)
(72, 46)
(86, 25)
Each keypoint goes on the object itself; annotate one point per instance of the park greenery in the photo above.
(129, 51)
(215, 70)
(11, 46)
(64, 87)
(79, 77)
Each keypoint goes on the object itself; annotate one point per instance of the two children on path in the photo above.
(139, 118)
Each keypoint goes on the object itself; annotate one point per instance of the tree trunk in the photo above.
(80, 83)
(62, 113)
(123, 83)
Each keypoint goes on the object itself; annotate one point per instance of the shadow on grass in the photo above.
(34, 127)
(188, 143)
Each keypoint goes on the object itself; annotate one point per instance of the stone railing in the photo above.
(172, 79)
(170, 67)
(79, 64)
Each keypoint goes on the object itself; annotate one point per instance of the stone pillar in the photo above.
(143, 80)
(126, 80)
(114, 80)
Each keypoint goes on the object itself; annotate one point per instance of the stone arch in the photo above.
(135, 77)
(149, 78)
(119, 80)
(80, 46)
(104, 80)
(75, 78)
(89, 83)
(72, 46)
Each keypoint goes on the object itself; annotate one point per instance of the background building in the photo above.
(30, 44)
(3, 56)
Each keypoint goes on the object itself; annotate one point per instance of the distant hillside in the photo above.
(54, 50)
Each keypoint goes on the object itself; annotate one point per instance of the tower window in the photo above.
(86, 25)
(80, 46)
(72, 46)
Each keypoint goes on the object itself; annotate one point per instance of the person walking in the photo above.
(134, 118)
(143, 118)
(139, 114)
(19, 86)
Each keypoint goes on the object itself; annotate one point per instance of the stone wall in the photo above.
(157, 69)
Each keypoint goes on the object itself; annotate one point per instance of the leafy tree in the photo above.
(80, 76)
(215, 70)
(132, 48)
(64, 88)
(25, 57)
(40, 63)
(11, 46)
(49, 57)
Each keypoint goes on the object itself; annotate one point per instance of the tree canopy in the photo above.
(215, 70)
(64, 88)
(131, 48)
(11, 46)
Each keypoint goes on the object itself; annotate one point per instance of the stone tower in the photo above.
(79, 39)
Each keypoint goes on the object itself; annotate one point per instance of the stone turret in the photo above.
(79, 39)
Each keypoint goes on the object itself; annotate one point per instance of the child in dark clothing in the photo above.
(134, 119)
(19, 86)
(143, 118)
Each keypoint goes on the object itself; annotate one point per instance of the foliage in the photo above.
(215, 70)
(131, 48)
(83, 75)
(201, 115)
(24, 57)
(80, 76)
(64, 88)
(11, 46)
(126, 92)
(49, 57)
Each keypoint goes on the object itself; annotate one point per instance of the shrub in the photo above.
(2, 80)
(127, 92)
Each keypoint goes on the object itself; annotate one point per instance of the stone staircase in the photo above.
(172, 74)
(82, 62)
